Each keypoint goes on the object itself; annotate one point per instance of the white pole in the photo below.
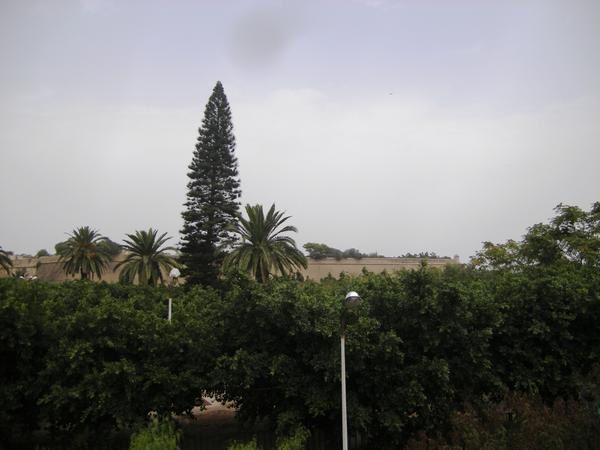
(344, 418)
(170, 308)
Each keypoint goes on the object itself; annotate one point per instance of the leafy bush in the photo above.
(158, 435)
(24, 343)
(296, 441)
(251, 445)
(519, 421)
(82, 356)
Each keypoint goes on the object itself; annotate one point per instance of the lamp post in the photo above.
(352, 298)
(173, 275)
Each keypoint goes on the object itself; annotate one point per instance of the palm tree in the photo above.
(5, 261)
(146, 259)
(85, 253)
(264, 250)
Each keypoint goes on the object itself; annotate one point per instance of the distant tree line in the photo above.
(321, 251)
(432, 255)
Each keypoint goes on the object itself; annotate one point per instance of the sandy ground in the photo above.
(214, 413)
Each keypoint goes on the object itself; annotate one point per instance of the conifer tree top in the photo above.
(213, 192)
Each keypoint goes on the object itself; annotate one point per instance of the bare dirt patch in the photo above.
(213, 413)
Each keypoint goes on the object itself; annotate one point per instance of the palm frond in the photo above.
(84, 253)
(263, 250)
(147, 260)
(5, 261)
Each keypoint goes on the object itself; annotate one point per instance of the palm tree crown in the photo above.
(5, 261)
(264, 250)
(146, 260)
(85, 253)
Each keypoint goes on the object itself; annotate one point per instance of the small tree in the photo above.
(111, 247)
(571, 237)
(84, 253)
(147, 259)
(264, 249)
(322, 251)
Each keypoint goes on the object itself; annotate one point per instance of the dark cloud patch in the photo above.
(261, 36)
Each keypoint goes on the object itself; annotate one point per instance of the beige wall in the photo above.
(49, 268)
(318, 269)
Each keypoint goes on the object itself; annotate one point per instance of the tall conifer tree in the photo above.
(213, 192)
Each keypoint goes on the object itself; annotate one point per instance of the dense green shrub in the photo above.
(296, 441)
(114, 360)
(158, 435)
(519, 421)
(85, 356)
(24, 343)
(426, 341)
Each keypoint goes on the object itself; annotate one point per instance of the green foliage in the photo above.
(283, 361)
(60, 247)
(571, 237)
(519, 421)
(158, 435)
(321, 251)
(264, 249)
(42, 252)
(97, 356)
(5, 262)
(84, 253)
(439, 338)
(213, 191)
(352, 253)
(437, 356)
(90, 356)
(23, 346)
(118, 358)
(147, 260)
(110, 247)
(296, 441)
(423, 255)
(498, 256)
(251, 445)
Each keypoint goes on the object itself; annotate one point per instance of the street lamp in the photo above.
(173, 275)
(352, 298)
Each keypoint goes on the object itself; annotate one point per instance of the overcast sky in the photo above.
(390, 126)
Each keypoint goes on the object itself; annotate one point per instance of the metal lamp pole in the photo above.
(344, 412)
(351, 298)
(173, 275)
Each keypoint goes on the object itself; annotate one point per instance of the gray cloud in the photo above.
(492, 121)
(261, 36)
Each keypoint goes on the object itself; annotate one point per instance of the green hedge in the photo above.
(84, 356)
